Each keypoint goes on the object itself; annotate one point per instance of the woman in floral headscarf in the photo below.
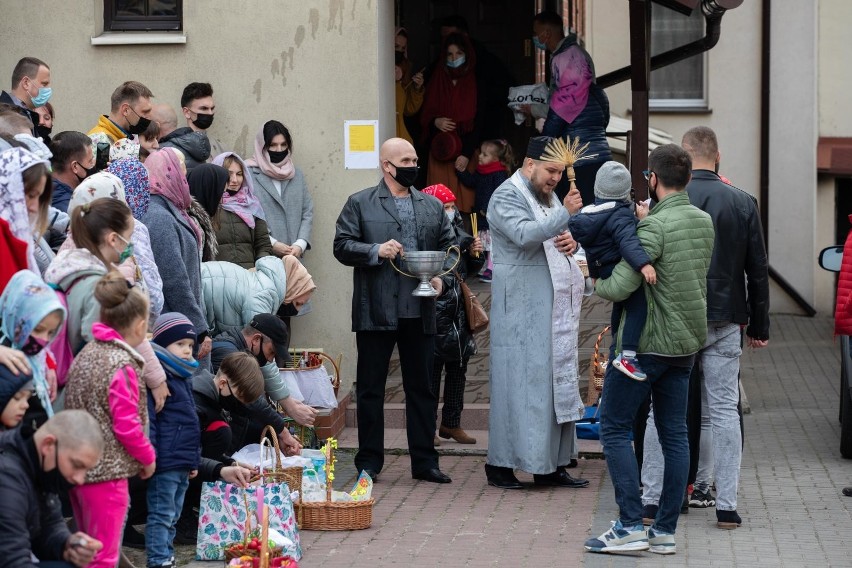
(25, 194)
(176, 249)
(31, 315)
(240, 223)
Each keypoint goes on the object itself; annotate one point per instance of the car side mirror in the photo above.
(830, 258)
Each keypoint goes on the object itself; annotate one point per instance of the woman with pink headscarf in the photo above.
(241, 230)
(176, 246)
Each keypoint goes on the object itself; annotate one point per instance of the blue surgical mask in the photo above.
(42, 97)
(539, 44)
(450, 215)
(457, 63)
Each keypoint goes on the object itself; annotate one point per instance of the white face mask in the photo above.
(450, 215)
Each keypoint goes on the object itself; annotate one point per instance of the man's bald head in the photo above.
(393, 147)
(166, 117)
(397, 153)
(74, 429)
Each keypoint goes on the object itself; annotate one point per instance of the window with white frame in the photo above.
(682, 85)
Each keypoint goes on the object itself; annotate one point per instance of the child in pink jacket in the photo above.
(105, 381)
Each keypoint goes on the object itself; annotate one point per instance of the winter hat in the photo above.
(10, 386)
(171, 327)
(612, 182)
(537, 146)
(441, 191)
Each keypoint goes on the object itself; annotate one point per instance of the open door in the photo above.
(502, 34)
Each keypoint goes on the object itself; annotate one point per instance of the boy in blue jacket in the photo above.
(607, 232)
(175, 434)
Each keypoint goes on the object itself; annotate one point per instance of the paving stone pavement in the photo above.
(789, 497)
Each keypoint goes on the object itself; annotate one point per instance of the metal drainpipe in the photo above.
(713, 11)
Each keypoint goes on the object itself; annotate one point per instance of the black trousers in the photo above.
(453, 390)
(415, 357)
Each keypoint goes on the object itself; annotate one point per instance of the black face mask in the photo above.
(140, 126)
(32, 347)
(89, 171)
(53, 481)
(652, 192)
(203, 121)
(278, 157)
(405, 176)
(287, 311)
(261, 358)
(399, 57)
(44, 132)
(716, 168)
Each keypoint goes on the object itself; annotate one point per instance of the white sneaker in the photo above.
(619, 539)
(660, 542)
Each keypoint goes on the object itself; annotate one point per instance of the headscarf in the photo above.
(299, 280)
(96, 186)
(124, 148)
(134, 176)
(243, 204)
(13, 204)
(283, 170)
(443, 98)
(34, 145)
(207, 184)
(166, 179)
(24, 303)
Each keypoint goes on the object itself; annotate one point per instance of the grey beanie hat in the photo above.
(612, 182)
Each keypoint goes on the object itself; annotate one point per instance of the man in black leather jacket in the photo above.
(375, 226)
(737, 295)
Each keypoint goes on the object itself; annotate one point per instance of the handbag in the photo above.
(223, 517)
(477, 317)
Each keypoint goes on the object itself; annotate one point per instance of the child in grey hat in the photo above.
(607, 232)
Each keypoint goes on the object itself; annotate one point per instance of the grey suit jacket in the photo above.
(289, 215)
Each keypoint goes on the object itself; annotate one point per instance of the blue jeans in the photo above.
(165, 500)
(621, 398)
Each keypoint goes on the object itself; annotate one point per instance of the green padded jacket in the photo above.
(679, 239)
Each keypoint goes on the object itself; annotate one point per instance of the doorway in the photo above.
(501, 31)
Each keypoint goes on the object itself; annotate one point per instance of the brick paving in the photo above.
(789, 498)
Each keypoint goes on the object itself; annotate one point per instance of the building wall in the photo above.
(835, 83)
(310, 64)
(835, 74)
(793, 137)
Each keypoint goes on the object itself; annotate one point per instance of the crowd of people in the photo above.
(149, 275)
(147, 289)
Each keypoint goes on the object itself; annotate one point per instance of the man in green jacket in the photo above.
(679, 240)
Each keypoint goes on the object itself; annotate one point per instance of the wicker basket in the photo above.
(317, 359)
(330, 515)
(273, 552)
(290, 475)
(597, 370)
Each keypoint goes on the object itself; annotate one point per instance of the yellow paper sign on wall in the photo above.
(361, 144)
(362, 138)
